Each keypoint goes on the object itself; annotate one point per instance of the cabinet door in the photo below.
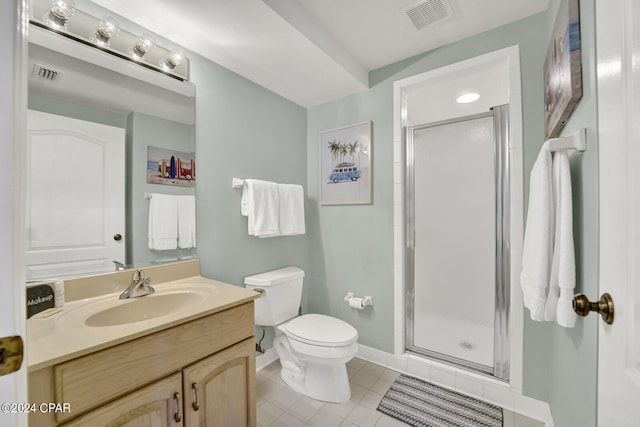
(219, 391)
(156, 405)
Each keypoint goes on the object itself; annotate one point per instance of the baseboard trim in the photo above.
(265, 359)
(480, 386)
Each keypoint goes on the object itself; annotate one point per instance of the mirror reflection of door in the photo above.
(75, 196)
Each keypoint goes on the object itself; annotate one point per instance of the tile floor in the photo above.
(279, 406)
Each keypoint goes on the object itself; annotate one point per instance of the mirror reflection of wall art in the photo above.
(345, 165)
(562, 69)
(170, 167)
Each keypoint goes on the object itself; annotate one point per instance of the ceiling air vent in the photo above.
(46, 73)
(423, 13)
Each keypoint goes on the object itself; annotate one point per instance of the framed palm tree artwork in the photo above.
(345, 165)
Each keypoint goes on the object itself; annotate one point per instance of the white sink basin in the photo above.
(111, 311)
(143, 308)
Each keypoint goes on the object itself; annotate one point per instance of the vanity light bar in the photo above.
(106, 34)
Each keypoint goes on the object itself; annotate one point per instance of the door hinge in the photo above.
(11, 351)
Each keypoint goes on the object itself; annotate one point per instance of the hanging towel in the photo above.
(186, 222)
(163, 222)
(563, 272)
(291, 209)
(262, 207)
(537, 252)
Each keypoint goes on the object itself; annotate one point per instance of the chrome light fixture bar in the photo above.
(105, 33)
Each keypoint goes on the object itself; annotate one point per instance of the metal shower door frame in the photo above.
(502, 343)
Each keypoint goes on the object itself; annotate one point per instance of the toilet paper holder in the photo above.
(358, 303)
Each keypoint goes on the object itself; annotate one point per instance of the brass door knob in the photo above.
(117, 237)
(582, 306)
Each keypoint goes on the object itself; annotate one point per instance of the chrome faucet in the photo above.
(139, 286)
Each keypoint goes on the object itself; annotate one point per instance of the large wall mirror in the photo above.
(68, 203)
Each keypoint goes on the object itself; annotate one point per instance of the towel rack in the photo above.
(237, 182)
(577, 141)
(148, 195)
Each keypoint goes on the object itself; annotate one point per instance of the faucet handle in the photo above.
(138, 274)
(119, 266)
(141, 278)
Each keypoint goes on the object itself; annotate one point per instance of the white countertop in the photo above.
(65, 335)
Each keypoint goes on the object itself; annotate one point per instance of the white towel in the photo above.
(563, 273)
(537, 252)
(186, 222)
(291, 209)
(262, 207)
(548, 274)
(163, 222)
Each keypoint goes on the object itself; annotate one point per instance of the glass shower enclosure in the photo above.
(457, 241)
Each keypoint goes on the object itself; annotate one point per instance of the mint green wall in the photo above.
(561, 364)
(243, 130)
(61, 107)
(352, 246)
(142, 131)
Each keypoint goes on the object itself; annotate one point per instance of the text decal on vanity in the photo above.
(39, 298)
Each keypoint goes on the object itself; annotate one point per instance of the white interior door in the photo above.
(618, 44)
(13, 87)
(75, 197)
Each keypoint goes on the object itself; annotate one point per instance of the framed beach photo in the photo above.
(562, 69)
(170, 167)
(345, 165)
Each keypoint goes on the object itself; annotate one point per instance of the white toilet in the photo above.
(313, 348)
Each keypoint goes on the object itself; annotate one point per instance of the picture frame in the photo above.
(345, 165)
(170, 167)
(562, 69)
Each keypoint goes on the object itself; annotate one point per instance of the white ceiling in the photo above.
(312, 51)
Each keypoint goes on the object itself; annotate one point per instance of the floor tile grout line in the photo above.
(270, 373)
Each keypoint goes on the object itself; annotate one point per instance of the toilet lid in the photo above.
(321, 330)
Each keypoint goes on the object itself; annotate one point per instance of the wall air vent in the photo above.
(46, 73)
(423, 13)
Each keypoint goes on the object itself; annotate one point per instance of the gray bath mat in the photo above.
(419, 403)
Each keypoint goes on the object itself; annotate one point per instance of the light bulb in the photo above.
(174, 59)
(143, 46)
(467, 98)
(59, 12)
(107, 29)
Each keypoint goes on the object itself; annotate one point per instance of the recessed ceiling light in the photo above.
(467, 98)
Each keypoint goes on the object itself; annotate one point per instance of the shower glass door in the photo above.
(457, 255)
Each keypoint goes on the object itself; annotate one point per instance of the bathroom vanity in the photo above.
(191, 363)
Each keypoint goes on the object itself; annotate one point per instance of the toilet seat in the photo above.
(320, 330)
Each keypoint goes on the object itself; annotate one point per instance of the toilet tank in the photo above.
(281, 297)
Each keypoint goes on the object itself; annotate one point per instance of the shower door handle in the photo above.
(582, 306)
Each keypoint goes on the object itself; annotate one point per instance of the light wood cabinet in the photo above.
(147, 381)
(220, 390)
(156, 405)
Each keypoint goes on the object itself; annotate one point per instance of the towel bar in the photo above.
(577, 141)
(237, 182)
